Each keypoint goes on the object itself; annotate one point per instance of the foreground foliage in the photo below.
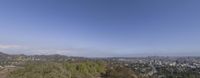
(60, 70)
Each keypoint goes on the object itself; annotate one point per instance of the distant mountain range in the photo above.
(18, 59)
(3, 54)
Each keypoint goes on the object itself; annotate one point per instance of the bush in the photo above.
(59, 70)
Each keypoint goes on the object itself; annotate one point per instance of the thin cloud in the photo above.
(10, 46)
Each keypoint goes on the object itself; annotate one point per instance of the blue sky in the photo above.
(100, 27)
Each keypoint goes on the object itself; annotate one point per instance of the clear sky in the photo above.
(100, 27)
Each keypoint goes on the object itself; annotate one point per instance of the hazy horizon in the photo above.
(100, 28)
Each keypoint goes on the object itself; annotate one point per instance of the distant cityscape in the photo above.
(145, 67)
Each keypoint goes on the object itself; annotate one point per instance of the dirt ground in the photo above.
(5, 71)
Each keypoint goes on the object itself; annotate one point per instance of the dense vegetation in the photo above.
(60, 70)
(85, 69)
(119, 72)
